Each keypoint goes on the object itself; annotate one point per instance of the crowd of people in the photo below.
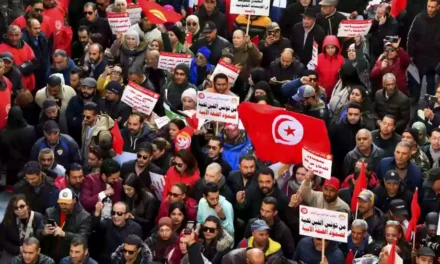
(62, 78)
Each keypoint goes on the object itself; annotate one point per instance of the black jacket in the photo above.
(14, 75)
(76, 224)
(378, 34)
(330, 23)
(60, 120)
(217, 17)
(273, 51)
(144, 208)
(42, 259)
(42, 54)
(354, 155)
(383, 200)
(116, 110)
(164, 162)
(129, 167)
(203, 160)
(74, 116)
(235, 181)
(224, 190)
(304, 51)
(101, 26)
(216, 48)
(388, 145)
(131, 142)
(278, 71)
(397, 104)
(290, 17)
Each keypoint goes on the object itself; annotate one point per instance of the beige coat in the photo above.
(316, 199)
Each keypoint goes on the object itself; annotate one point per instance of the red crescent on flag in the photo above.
(159, 14)
(277, 125)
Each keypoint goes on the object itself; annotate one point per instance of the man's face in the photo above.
(86, 92)
(389, 85)
(210, 36)
(35, 10)
(179, 76)
(221, 85)
(134, 125)
(363, 141)
(286, 59)
(14, 37)
(112, 179)
(212, 198)
(119, 213)
(76, 178)
(59, 62)
(51, 113)
(102, 4)
(247, 168)
(78, 254)
(67, 208)
(266, 183)
(46, 161)
(387, 126)
(214, 149)
(432, 8)
(136, 78)
(8, 65)
(111, 96)
(143, 158)
(130, 253)
(30, 253)
(89, 14)
(261, 237)
(308, 22)
(358, 235)
(146, 23)
(391, 187)
(53, 90)
(35, 28)
(152, 60)
(353, 116)
(424, 259)
(94, 54)
(2, 69)
(83, 37)
(267, 212)
(402, 155)
(318, 243)
(75, 81)
(238, 39)
(327, 10)
(89, 118)
(34, 179)
(435, 140)
(210, 5)
(364, 206)
(52, 137)
(212, 176)
(407, 137)
(330, 194)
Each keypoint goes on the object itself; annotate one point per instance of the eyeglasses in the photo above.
(88, 13)
(191, 24)
(209, 229)
(313, 79)
(20, 207)
(175, 195)
(117, 213)
(129, 252)
(143, 157)
(38, 10)
(211, 147)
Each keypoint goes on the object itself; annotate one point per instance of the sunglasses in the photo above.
(20, 207)
(117, 213)
(129, 252)
(313, 79)
(88, 13)
(211, 147)
(38, 10)
(175, 195)
(143, 157)
(191, 24)
(209, 229)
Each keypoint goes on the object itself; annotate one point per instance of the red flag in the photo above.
(415, 214)
(350, 257)
(157, 14)
(279, 135)
(392, 255)
(118, 141)
(397, 6)
(255, 40)
(361, 183)
(183, 138)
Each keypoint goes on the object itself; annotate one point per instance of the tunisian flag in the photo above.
(415, 214)
(392, 254)
(157, 14)
(118, 141)
(361, 183)
(279, 135)
(183, 138)
(397, 6)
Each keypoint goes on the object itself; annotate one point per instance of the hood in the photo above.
(331, 40)
(15, 118)
(144, 133)
(225, 241)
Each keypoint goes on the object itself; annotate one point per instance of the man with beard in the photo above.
(385, 137)
(97, 61)
(213, 203)
(56, 90)
(12, 73)
(79, 46)
(244, 178)
(327, 199)
(136, 132)
(112, 104)
(172, 91)
(75, 108)
(49, 166)
(79, 252)
(75, 79)
(215, 149)
(51, 111)
(371, 214)
(70, 220)
(72, 180)
(97, 24)
(310, 104)
(249, 204)
(61, 63)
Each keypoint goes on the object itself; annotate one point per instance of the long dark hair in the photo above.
(212, 218)
(187, 157)
(10, 217)
(134, 181)
(182, 207)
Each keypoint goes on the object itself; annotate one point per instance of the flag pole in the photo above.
(248, 22)
(323, 250)
(414, 230)
(356, 213)
(216, 128)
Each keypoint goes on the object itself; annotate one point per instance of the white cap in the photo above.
(65, 196)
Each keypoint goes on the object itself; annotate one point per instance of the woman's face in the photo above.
(116, 74)
(391, 234)
(188, 104)
(177, 217)
(131, 42)
(129, 191)
(154, 45)
(330, 50)
(300, 175)
(210, 230)
(165, 232)
(200, 60)
(173, 130)
(351, 54)
(173, 37)
(180, 165)
(259, 92)
(21, 209)
(121, 7)
(157, 153)
(182, 246)
(191, 25)
(356, 96)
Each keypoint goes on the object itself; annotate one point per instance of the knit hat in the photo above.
(165, 221)
(183, 67)
(263, 85)
(414, 133)
(114, 87)
(205, 51)
(176, 30)
(191, 93)
(133, 33)
(420, 126)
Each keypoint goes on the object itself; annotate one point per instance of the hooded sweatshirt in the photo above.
(172, 92)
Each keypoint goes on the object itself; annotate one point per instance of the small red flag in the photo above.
(279, 135)
(415, 215)
(350, 257)
(255, 40)
(392, 255)
(157, 14)
(183, 138)
(118, 141)
(361, 183)
(397, 6)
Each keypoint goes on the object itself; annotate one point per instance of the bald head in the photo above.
(363, 140)
(287, 57)
(238, 38)
(255, 256)
(14, 35)
(152, 59)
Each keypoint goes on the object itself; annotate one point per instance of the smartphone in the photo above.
(51, 222)
(189, 228)
(189, 38)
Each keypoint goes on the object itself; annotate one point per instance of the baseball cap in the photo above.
(209, 27)
(366, 195)
(329, 3)
(310, 12)
(273, 26)
(65, 196)
(333, 182)
(259, 225)
(425, 251)
(89, 82)
(398, 207)
(51, 126)
(392, 176)
(54, 81)
(431, 220)
(7, 56)
(115, 87)
(304, 91)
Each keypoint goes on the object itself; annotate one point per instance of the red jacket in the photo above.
(47, 26)
(56, 15)
(92, 186)
(172, 177)
(5, 101)
(191, 209)
(63, 40)
(25, 53)
(398, 68)
(328, 67)
(60, 182)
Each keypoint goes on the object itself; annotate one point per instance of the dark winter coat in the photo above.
(304, 51)
(398, 105)
(116, 110)
(144, 210)
(217, 17)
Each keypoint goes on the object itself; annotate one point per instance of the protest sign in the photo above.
(322, 223)
(352, 28)
(217, 107)
(159, 182)
(119, 22)
(314, 61)
(162, 121)
(319, 163)
(124, 157)
(229, 69)
(169, 60)
(250, 7)
(134, 12)
(139, 98)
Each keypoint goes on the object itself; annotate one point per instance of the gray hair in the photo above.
(46, 151)
(14, 28)
(388, 76)
(215, 168)
(31, 241)
(364, 130)
(60, 52)
(404, 144)
(362, 224)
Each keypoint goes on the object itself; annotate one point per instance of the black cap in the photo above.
(426, 251)
(431, 220)
(398, 207)
(145, 146)
(54, 81)
(209, 27)
(7, 56)
(51, 126)
(391, 176)
(115, 87)
(309, 12)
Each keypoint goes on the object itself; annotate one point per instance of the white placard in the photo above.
(159, 182)
(322, 223)
(119, 22)
(250, 7)
(314, 61)
(124, 157)
(134, 12)
(280, 3)
(162, 121)
(319, 163)
(228, 69)
(217, 107)
(169, 60)
(352, 28)
(139, 98)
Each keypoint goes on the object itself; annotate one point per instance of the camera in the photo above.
(430, 100)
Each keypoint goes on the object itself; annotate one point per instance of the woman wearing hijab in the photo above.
(16, 141)
(175, 35)
(200, 66)
(193, 27)
(162, 241)
(119, 6)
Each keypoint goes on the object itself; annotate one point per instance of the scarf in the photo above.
(162, 247)
(25, 230)
(435, 157)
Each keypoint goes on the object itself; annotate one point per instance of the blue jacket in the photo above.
(65, 72)
(291, 88)
(232, 152)
(204, 210)
(68, 260)
(306, 252)
(193, 74)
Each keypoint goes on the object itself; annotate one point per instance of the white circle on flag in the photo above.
(287, 130)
